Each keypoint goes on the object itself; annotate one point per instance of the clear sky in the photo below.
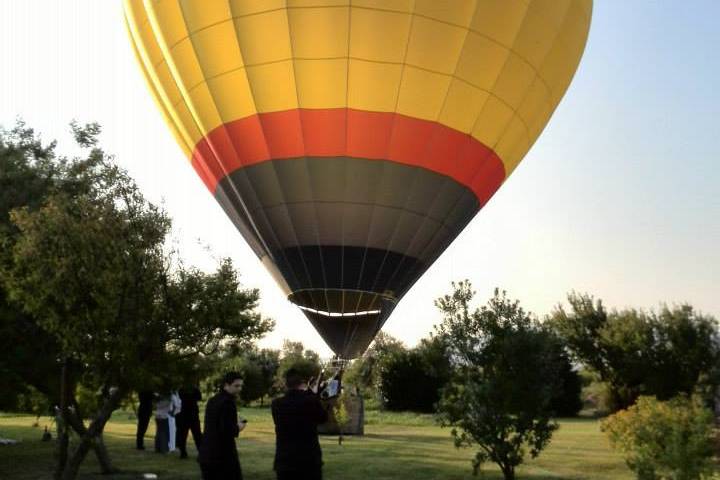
(620, 196)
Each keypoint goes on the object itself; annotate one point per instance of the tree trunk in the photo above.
(98, 445)
(92, 438)
(103, 456)
(73, 465)
(62, 428)
(508, 472)
(61, 446)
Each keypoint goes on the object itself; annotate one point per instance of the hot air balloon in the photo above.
(350, 141)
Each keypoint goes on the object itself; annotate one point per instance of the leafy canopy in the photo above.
(507, 373)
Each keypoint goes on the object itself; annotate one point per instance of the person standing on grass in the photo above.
(175, 409)
(144, 413)
(188, 419)
(163, 408)
(218, 455)
(297, 415)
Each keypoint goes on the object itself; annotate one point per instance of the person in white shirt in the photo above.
(162, 424)
(174, 409)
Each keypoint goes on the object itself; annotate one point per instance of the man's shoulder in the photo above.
(218, 399)
(278, 401)
(295, 398)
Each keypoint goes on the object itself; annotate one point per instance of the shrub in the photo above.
(664, 440)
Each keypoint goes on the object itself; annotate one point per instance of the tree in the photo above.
(257, 367)
(506, 377)
(90, 267)
(640, 353)
(364, 372)
(268, 363)
(412, 379)
(294, 355)
(567, 401)
(29, 170)
(686, 353)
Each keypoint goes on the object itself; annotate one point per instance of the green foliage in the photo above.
(265, 364)
(641, 353)
(29, 172)
(258, 368)
(670, 440)
(87, 400)
(341, 414)
(92, 269)
(507, 375)
(88, 266)
(567, 401)
(33, 401)
(412, 379)
(364, 372)
(294, 355)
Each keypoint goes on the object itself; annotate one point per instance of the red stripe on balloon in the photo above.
(350, 133)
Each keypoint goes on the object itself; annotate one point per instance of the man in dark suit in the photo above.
(144, 413)
(218, 455)
(188, 419)
(297, 415)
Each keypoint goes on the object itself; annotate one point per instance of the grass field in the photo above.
(395, 446)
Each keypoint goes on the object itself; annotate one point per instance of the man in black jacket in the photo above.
(188, 419)
(143, 415)
(296, 416)
(218, 455)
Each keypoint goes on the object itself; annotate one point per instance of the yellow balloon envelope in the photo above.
(351, 141)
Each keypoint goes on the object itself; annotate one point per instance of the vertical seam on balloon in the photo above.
(429, 140)
(212, 149)
(307, 166)
(382, 165)
(277, 177)
(230, 181)
(200, 126)
(153, 88)
(548, 101)
(152, 79)
(390, 140)
(493, 148)
(158, 37)
(530, 140)
(492, 89)
(487, 156)
(345, 164)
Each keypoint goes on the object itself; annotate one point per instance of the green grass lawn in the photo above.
(396, 445)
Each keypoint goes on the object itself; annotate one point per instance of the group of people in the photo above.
(296, 415)
(176, 414)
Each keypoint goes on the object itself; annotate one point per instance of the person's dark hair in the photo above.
(293, 378)
(230, 377)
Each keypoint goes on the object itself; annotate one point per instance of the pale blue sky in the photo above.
(619, 197)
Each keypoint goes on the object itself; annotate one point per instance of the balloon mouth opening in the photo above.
(340, 303)
(346, 319)
(340, 314)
